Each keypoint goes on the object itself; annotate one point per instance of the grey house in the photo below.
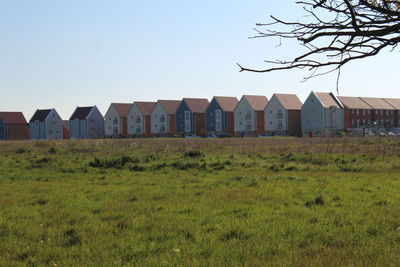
(321, 115)
(190, 116)
(86, 122)
(46, 124)
(220, 115)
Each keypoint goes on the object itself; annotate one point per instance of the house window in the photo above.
(115, 130)
(358, 112)
(279, 114)
(248, 115)
(115, 121)
(248, 126)
(138, 130)
(162, 118)
(162, 128)
(279, 125)
(352, 111)
(138, 120)
(387, 112)
(92, 121)
(53, 122)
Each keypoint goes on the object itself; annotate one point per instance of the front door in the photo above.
(188, 121)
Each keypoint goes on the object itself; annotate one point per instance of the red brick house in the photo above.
(357, 113)
(395, 102)
(383, 114)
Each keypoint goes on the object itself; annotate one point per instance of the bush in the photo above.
(117, 163)
(318, 201)
(193, 154)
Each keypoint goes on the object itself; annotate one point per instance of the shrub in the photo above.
(117, 163)
(193, 154)
(318, 201)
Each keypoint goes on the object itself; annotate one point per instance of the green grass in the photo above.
(233, 202)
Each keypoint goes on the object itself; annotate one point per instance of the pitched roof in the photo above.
(196, 104)
(328, 100)
(377, 103)
(227, 103)
(12, 117)
(145, 107)
(40, 115)
(289, 101)
(81, 113)
(122, 108)
(394, 102)
(257, 102)
(353, 102)
(170, 106)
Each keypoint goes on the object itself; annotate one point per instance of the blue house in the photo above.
(86, 122)
(220, 115)
(190, 116)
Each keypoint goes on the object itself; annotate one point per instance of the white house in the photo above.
(139, 119)
(163, 118)
(46, 124)
(321, 115)
(115, 120)
(86, 122)
(249, 115)
(283, 115)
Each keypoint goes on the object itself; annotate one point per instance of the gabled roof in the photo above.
(353, 102)
(377, 103)
(122, 108)
(198, 105)
(40, 115)
(145, 107)
(81, 113)
(289, 101)
(170, 106)
(12, 117)
(227, 103)
(328, 100)
(257, 102)
(394, 102)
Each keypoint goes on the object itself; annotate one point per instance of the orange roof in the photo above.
(394, 102)
(145, 107)
(353, 102)
(170, 106)
(289, 101)
(257, 102)
(198, 105)
(328, 100)
(377, 103)
(122, 108)
(12, 117)
(227, 103)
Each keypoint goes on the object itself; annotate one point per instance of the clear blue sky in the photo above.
(72, 53)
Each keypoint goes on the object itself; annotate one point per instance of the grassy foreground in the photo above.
(175, 202)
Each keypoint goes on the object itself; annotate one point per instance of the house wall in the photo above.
(312, 116)
(2, 130)
(180, 119)
(74, 129)
(156, 123)
(229, 123)
(17, 132)
(95, 124)
(172, 124)
(396, 118)
(147, 126)
(293, 123)
(37, 130)
(384, 118)
(135, 121)
(124, 127)
(53, 124)
(200, 127)
(333, 120)
(112, 123)
(210, 120)
(259, 118)
(357, 118)
(243, 123)
(275, 116)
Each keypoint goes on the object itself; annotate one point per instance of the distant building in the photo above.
(46, 124)
(65, 129)
(13, 126)
(115, 120)
(395, 103)
(357, 113)
(249, 115)
(86, 122)
(383, 114)
(283, 115)
(139, 119)
(321, 115)
(163, 118)
(220, 115)
(190, 116)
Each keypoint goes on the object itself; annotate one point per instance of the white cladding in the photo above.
(135, 121)
(244, 116)
(275, 115)
(112, 122)
(159, 120)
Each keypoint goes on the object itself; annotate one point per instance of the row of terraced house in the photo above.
(322, 114)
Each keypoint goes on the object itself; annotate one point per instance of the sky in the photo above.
(70, 53)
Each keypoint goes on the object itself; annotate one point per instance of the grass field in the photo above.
(200, 202)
